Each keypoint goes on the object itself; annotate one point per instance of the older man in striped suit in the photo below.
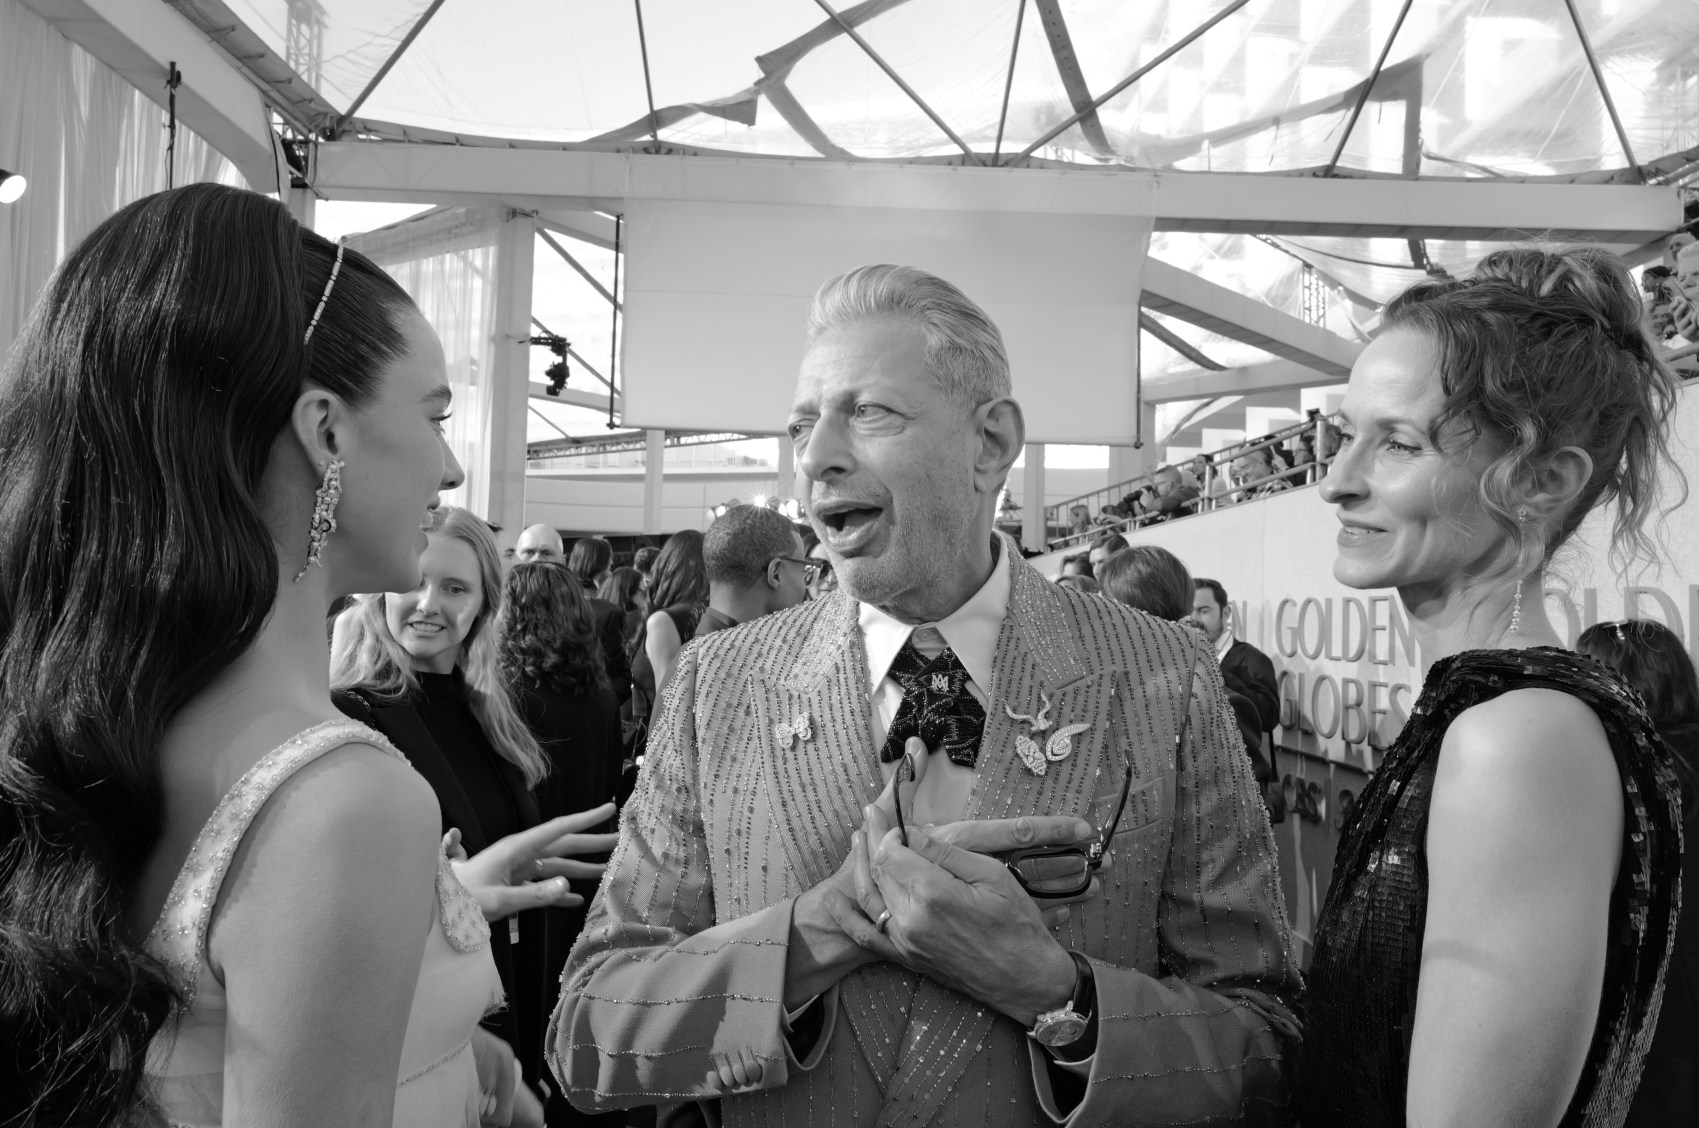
(771, 937)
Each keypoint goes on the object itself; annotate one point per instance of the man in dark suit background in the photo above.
(1246, 670)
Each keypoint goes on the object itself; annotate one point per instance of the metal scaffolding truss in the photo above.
(1297, 94)
(1227, 85)
(1483, 90)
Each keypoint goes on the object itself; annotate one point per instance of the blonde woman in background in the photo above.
(420, 667)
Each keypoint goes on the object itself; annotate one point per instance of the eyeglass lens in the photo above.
(1061, 874)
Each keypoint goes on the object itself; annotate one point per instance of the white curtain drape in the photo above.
(89, 143)
(447, 260)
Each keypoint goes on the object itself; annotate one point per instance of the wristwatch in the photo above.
(1067, 1023)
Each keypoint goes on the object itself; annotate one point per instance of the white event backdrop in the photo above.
(716, 295)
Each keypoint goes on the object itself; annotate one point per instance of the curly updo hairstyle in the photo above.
(1542, 350)
(138, 411)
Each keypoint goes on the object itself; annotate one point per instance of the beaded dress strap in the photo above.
(179, 938)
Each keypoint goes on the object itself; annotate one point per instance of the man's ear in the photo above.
(772, 576)
(318, 421)
(1001, 430)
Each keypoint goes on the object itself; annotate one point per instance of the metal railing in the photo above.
(1216, 487)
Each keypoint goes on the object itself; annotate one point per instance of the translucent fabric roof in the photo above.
(1446, 88)
(1582, 91)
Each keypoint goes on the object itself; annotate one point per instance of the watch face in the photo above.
(1059, 1030)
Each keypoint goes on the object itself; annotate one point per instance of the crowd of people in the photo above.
(918, 836)
(1671, 290)
(1243, 472)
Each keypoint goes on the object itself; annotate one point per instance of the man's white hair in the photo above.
(964, 350)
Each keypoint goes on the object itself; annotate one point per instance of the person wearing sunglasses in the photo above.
(819, 578)
(950, 844)
(753, 557)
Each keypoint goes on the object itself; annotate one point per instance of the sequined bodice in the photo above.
(1361, 1002)
(437, 1083)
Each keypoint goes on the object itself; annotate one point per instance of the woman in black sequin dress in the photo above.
(1492, 947)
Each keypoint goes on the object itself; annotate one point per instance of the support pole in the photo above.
(787, 486)
(1033, 530)
(303, 205)
(654, 478)
(510, 379)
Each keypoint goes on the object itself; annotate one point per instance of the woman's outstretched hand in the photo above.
(529, 870)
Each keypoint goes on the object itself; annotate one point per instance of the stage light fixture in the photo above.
(558, 372)
(759, 501)
(12, 185)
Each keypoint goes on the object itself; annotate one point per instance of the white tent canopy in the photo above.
(1472, 92)
(1307, 158)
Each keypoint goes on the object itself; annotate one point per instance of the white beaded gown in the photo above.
(437, 1086)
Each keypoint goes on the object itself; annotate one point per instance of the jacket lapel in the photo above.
(815, 722)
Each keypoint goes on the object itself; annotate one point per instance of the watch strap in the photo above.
(1085, 986)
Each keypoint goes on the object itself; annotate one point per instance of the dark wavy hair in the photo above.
(547, 633)
(679, 577)
(1149, 578)
(138, 411)
(1543, 350)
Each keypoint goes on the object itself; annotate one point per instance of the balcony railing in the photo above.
(1217, 487)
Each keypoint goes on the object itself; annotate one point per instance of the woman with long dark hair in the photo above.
(419, 665)
(551, 660)
(1492, 946)
(678, 592)
(1651, 658)
(220, 901)
(624, 589)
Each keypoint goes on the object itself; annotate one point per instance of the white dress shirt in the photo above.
(941, 786)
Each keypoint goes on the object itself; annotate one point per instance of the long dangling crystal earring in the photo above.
(1516, 601)
(324, 515)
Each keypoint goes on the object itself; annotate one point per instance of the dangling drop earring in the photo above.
(1516, 601)
(324, 515)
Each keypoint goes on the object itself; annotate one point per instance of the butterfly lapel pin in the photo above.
(799, 727)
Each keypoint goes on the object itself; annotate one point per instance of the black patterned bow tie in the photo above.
(937, 707)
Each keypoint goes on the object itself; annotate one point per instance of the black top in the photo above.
(1669, 1088)
(1361, 1004)
(1248, 672)
(684, 618)
(581, 736)
(712, 621)
(441, 702)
